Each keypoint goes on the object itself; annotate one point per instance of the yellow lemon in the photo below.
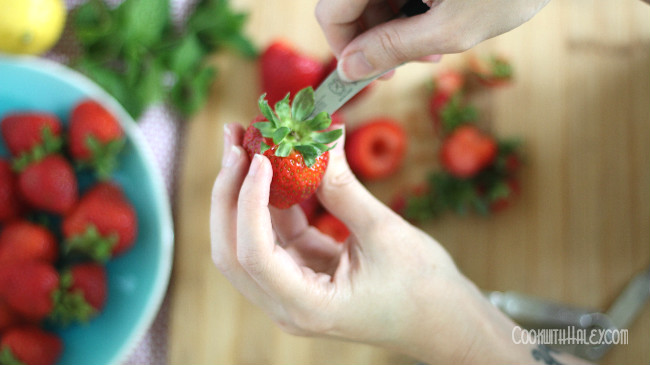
(30, 26)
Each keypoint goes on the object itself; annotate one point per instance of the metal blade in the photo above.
(334, 92)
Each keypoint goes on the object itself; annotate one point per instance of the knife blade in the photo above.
(334, 92)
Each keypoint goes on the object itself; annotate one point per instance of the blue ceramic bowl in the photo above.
(138, 279)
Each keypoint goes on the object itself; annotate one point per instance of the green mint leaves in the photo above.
(290, 129)
(135, 53)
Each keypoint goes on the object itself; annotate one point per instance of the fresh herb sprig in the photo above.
(134, 52)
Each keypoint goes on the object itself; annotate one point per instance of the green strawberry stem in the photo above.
(92, 244)
(289, 127)
(7, 357)
(69, 306)
(51, 144)
(104, 156)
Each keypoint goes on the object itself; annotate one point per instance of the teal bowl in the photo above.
(138, 279)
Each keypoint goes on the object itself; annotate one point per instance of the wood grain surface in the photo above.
(578, 232)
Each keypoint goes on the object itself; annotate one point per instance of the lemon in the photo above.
(30, 26)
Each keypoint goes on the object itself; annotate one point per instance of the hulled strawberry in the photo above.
(29, 345)
(25, 241)
(83, 293)
(49, 184)
(295, 144)
(284, 70)
(102, 225)
(10, 204)
(95, 137)
(376, 149)
(30, 136)
(29, 287)
(467, 151)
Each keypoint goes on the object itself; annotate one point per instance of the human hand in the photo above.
(367, 42)
(390, 284)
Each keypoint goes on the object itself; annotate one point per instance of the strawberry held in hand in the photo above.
(295, 145)
(95, 137)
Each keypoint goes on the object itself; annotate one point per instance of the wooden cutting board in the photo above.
(578, 232)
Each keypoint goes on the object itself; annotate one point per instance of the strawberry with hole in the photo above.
(83, 293)
(376, 149)
(10, 204)
(30, 136)
(449, 82)
(49, 184)
(95, 137)
(295, 144)
(285, 70)
(332, 226)
(29, 345)
(29, 287)
(25, 241)
(104, 223)
(492, 71)
(466, 151)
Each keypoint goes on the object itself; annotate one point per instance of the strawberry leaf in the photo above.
(265, 128)
(309, 153)
(264, 147)
(303, 104)
(327, 137)
(91, 243)
(320, 122)
(268, 113)
(284, 149)
(282, 109)
(7, 357)
(279, 134)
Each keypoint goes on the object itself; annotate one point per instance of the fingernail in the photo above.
(227, 135)
(355, 67)
(256, 164)
(232, 156)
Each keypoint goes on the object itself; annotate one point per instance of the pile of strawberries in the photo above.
(61, 220)
(478, 171)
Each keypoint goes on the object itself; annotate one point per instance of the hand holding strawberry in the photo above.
(295, 144)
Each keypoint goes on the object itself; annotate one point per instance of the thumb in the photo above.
(388, 45)
(345, 197)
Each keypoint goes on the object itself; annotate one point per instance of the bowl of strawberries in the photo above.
(86, 235)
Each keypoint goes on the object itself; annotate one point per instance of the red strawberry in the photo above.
(449, 82)
(84, 292)
(49, 184)
(467, 151)
(23, 132)
(332, 226)
(8, 317)
(284, 70)
(312, 208)
(26, 241)
(103, 224)
(331, 66)
(376, 149)
(295, 145)
(437, 103)
(30, 345)
(95, 136)
(505, 201)
(10, 205)
(28, 287)
(492, 72)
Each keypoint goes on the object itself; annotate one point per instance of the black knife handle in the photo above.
(414, 7)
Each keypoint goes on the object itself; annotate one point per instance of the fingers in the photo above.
(345, 197)
(338, 19)
(268, 264)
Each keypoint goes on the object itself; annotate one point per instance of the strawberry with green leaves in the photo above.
(493, 71)
(104, 223)
(29, 345)
(49, 184)
(31, 136)
(83, 293)
(295, 144)
(95, 137)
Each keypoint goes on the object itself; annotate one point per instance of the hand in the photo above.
(368, 43)
(390, 284)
